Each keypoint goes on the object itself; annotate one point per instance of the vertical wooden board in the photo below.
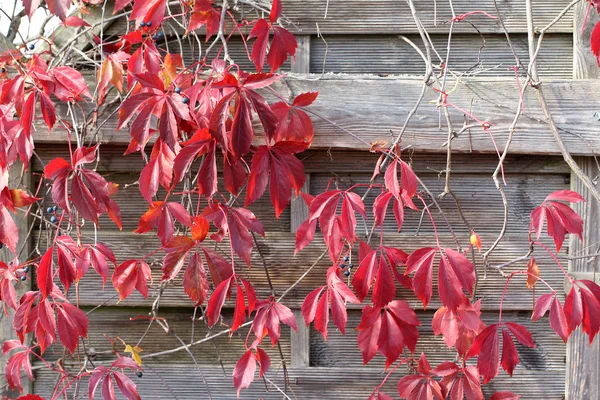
(583, 358)
(17, 179)
(585, 65)
(301, 62)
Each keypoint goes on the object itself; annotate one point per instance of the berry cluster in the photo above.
(52, 210)
(348, 268)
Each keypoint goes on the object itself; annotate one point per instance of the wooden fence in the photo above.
(368, 37)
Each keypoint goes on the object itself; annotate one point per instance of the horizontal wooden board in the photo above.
(285, 269)
(480, 55)
(133, 205)
(183, 382)
(389, 16)
(479, 200)
(335, 162)
(129, 324)
(342, 352)
(373, 108)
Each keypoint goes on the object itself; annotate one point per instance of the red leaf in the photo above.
(542, 304)
(204, 14)
(560, 218)
(558, 320)
(129, 275)
(486, 346)
(421, 262)
(283, 45)
(305, 234)
(244, 371)
(459, 327)
(510, 357)
(177, 250)
(195, 282)
(45, 273)
(275, 11)
(595, 42)
(216, 301)
(421, 386)
(388, 332)
(574, 308)
(293, 123)
(9, 232)
(219, 267)
(126, 386)
(72, 324)
(74, 21)
(384, 290)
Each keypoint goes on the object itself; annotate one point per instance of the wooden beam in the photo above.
(300, 343)
(585, 65)
(393, 17)
(299, 209)
(17, 178)
(300, 339)
(583, 358)
(301, 64)
(354, 110)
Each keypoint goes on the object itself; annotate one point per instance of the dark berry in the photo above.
(177, 90)
(26, 268)
(160, 35)
(346, 258)
(350, 265)
(149, 24)
(31, 46)
(53, 219)
(342, 266)
(54, 208)
(140, 374)
(24, 278)
(1, 245)
(347, 272)
(142, 24)
(49, 210)
(3, 70)
(185, 100)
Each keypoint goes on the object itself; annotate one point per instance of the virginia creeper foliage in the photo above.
(227, 135)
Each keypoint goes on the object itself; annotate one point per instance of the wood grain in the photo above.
(471, 54)
(389, 16)
(374, 108)
(285, 269)
(17, 179)
(583, 358)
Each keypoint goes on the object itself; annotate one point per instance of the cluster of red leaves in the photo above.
(202, 124)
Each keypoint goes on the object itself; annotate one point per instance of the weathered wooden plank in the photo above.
(17, 179)
(285, 269)
(298, 208)
(389, 16)
(486, 55)
(341, 350)
(301, 62)
(583, 358)
(338, 161)
(133, 205)
(585, 64)
(183, 382)
(479, 199)
(129, 324)
(370, 108)
(300, 343)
